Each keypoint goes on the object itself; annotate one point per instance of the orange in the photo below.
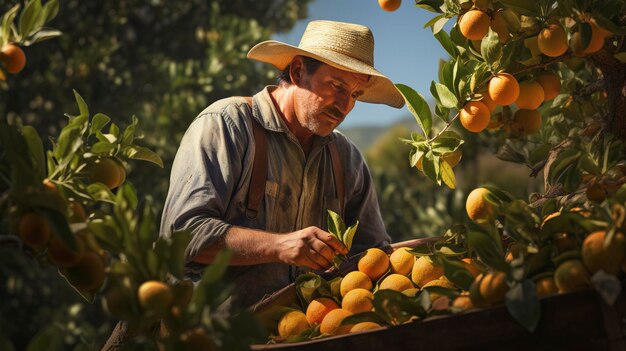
(118, 303)
(597, 39)
(441, 282)
(532, 43)
(13, 58)
(491, 105)
(453, 157)
(389, 5)
(319, 308)
(526, 122)
(332, 322)
(355, 280)
(552, 40)
(397, 282)
(551, 84)
(463, 302)
(155, 298)
(598, 257)
(358, 300)
(571, 275)
(292, 323)
(424, 271)
(545, 286)
(62, 256)
(477, 207)
(88, 274)
(374, 262)
(77, 212)
(106, 170)
(531, 95)
(34, 230)
(364, 326)
(49, 184)
(474, 116)
(471, 266)
(493, 287)
(196, 340)
(503, 89)
(498, 25)
(401, 260)
(595, 192)
(474, 24)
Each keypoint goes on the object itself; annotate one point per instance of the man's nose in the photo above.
(345, 103)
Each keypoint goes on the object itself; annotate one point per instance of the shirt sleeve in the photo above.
(361, 201)
(205, 173)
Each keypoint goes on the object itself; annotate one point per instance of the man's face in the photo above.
(325, 97)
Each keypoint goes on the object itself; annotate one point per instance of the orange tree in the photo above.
(69, 211)
(543, 82)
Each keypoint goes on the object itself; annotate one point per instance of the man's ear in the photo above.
(296, 70)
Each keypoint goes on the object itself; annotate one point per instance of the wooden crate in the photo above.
(573, 321)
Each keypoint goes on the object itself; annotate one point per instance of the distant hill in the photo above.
(366, 136)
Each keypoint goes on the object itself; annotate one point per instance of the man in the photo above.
(212, 174)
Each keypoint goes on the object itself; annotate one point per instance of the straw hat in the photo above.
(346, 46)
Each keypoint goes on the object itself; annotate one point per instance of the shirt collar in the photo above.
(265, 112)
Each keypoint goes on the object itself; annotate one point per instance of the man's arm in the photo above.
(310, 247)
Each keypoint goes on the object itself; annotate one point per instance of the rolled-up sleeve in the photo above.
(205, 173)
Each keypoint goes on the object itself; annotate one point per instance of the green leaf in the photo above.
(176, 260)
(447, 43)
(522, 303)
(430, 5)
(456, 272)
(349, 235)
(418, 106)
(70, 140)
(136, 152)
(98, 122)
(489, 251)
(447, 174)
(336, 226)
(215, 271)
(395, 307)
(7, 22)
(370, 316)
(35, 148)
(59, 225)
(446, 97)
(564, 160)
(29, 17)
(100, 192)
(490, 48)
(433, 20)
(82, 106)
(430, 164)
(50, 10)
(621, 56)
(41, 35)
(48, 339)
(523, 7)
(438, 26)
(306, 285)
(102, 148)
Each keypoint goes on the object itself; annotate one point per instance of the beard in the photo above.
(322, 121)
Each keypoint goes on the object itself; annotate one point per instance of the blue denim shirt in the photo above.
(211, 176)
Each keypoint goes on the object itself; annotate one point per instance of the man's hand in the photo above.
(311, 247)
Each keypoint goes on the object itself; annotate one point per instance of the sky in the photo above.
(405, 51)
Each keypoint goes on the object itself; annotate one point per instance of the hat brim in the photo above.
(380, 89)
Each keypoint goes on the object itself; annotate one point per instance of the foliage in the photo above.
(76, 187)
(164, 61)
